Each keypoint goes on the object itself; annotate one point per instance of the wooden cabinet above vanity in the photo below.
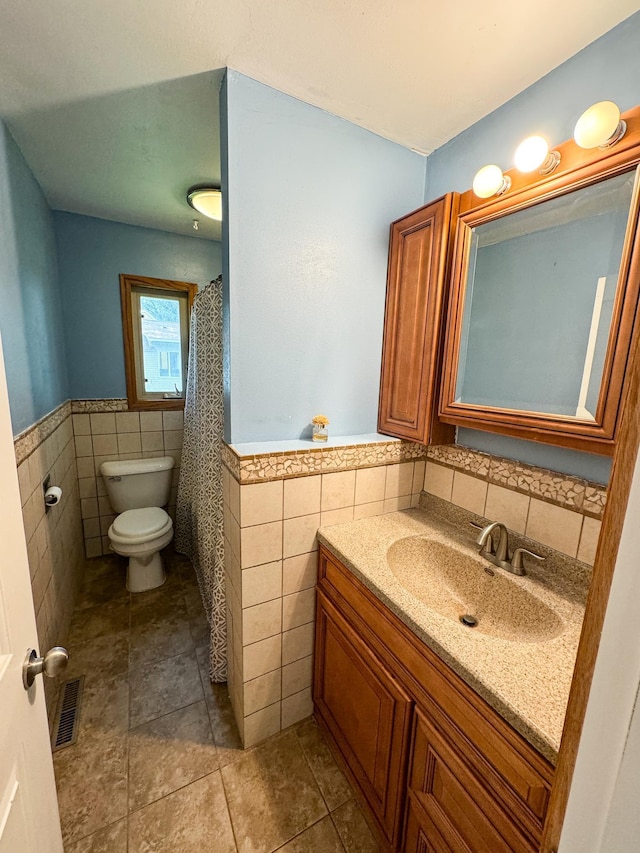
(539, 310)
(419, 251)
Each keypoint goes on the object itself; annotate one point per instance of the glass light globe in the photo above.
(207, 201)
(490, 181)
(531, 153)
(599, 126)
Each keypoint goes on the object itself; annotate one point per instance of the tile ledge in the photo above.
(271, 448)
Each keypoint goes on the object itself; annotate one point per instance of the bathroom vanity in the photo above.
(450, 733)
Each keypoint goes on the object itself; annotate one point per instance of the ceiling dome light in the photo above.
(490, 181)
(533, 153)
(206, 200)
(600, 126)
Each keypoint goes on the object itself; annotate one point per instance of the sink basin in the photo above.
(455, 585)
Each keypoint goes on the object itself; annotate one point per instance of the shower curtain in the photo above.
(199, 512)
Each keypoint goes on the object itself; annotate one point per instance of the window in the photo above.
(155, 318)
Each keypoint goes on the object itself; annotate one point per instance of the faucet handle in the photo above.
(517, 561)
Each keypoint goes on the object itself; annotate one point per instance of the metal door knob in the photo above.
(52, 664)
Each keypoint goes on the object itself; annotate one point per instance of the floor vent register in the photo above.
(65, 729)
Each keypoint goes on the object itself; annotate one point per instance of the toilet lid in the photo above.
(140, 522)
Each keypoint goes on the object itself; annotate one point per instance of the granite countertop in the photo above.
(525, 679)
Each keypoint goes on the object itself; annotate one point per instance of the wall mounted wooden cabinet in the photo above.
(543, 300)
(439, 769)
(416, 298)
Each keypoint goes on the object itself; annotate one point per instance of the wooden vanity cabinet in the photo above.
(419, 251)
(439, 769)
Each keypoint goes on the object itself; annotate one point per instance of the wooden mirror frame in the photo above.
(578, 168)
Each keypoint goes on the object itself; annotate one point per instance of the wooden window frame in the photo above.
(127, 285)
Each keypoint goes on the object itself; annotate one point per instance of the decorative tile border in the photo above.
(560, 489)
(27, 441)
(301, 463)
(95, 407)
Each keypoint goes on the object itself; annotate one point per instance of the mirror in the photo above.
(541, 310)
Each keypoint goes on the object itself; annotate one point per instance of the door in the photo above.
(29, 819)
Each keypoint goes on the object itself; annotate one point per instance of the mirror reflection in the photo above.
(540, 294)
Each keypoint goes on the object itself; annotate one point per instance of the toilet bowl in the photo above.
(137, 490)
(140, 535)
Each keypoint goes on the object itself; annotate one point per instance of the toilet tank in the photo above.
(136, 483)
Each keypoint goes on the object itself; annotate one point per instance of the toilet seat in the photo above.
(136, 526)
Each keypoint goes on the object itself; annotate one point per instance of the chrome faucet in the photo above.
(500, 557)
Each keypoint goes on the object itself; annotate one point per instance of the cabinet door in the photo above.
(413, 323)
(366, 712)
(455, 801)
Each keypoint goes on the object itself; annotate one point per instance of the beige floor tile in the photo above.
(191, 820)
(109, 587)
(319, 838)
(103, 658)
(91, 779)
(353, 829)
(112, 839)
(332, 782)
(104, 709)
(169, 753)
(160, 634)
(223, 724)
(272, 795)
(100, 621)
(161, 687)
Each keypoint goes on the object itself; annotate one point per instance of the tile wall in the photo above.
(54, 539)
(271, 571)
(559, 511)
(102, 436)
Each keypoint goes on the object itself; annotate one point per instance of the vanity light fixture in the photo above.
(490, 181)
(207, 200)
(533, 153)
(600, 126)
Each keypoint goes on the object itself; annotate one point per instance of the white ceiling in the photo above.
(79, 80)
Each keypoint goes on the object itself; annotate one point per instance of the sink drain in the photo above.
(468, 620)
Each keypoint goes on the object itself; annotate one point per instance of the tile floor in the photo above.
(158, 766)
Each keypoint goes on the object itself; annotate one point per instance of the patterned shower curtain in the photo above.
(199, 513)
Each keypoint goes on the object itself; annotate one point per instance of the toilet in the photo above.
(137, 490)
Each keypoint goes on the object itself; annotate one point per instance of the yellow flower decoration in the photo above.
(320, 420)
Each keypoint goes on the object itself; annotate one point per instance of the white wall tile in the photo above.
(103, 424)
(129, 442)
(261, 544)
(338, 490)
(507, 506)
(297, 643)
(336, 516)
(302, 496)
(262, 692)
(297, 676)
(399, 480)
(81, 425)
(104, 444)
(260, 503)
(172, 420)
(397, 504)
(261, 583)
(554, 526)
(298, 608)
(84, 445)
(438, 480)
(469, 492)
(368, 510)
(300, 572)
(151, 421)
(300, 535)
(418, 476)
(261, 621)
(152, 441)
(589, 539)
(261, 657)
(261, 725)
(297, 707)
(370, 483)
(127, 422)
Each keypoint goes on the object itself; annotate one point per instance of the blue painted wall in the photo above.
(608, 69)
(310, 199)
(91, 255)
(30, 311)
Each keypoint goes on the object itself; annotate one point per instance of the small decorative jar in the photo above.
(320, 425)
